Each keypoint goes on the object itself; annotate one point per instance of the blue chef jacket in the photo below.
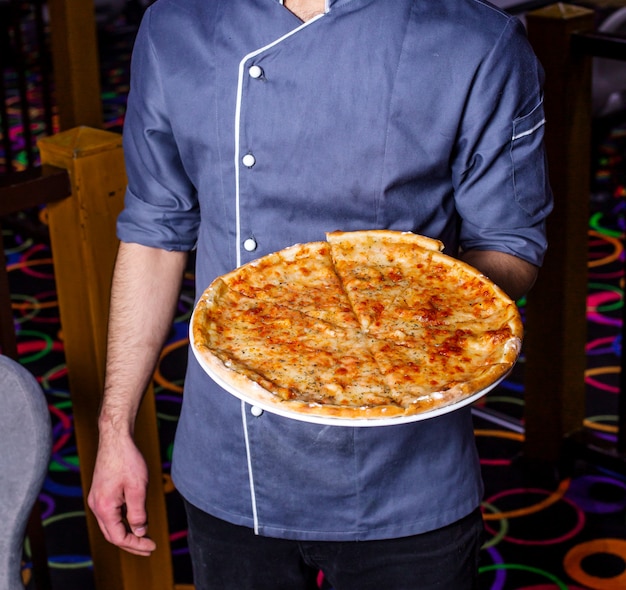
(248, 131)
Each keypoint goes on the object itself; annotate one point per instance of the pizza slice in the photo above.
(376, 267)
(415, 291)
(450, 290)
(404, 323)
(301, 277)
(293, 356)
(443, 366)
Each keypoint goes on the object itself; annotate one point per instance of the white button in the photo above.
(255, 72)
(248, 160)
(250, 245)
(256, 411)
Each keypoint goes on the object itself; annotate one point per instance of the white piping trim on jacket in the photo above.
(244, 419)
(238, 233)
(238, 122)
(530, 131)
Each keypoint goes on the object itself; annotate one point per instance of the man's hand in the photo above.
(118, 495)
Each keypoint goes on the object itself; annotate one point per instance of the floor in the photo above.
(544, 530)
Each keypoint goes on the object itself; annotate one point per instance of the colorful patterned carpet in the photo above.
(543, 533)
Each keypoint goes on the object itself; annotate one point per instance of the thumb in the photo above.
(136, 515)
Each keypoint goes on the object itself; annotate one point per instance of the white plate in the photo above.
(329, 420)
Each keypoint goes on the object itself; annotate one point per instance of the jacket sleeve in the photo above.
(500, 175)
(161, 207)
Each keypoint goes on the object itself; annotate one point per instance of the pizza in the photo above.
(367, 325)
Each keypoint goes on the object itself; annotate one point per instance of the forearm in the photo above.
(145, 290)
(514, 275)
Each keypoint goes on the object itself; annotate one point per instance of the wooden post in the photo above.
(556, 309)
(84, 246)
(76, 63)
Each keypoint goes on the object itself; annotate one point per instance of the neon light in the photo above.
(524, 568)
(574, 558)
(552, 498)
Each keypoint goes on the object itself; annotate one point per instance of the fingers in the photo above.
(119, 534)
(118, 497)
(120, 529)
(136, 516)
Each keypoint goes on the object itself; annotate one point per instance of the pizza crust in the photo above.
(216, 341)
(386, 235)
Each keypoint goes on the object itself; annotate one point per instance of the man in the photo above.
(251, 126)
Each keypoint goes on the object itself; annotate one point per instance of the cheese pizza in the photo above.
(365, 326)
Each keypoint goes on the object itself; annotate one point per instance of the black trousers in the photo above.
(230, 557)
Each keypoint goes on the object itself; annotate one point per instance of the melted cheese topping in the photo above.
(365, 320)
